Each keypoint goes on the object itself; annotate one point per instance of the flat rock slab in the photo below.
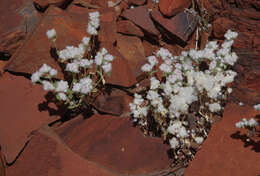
(18, 18)
(141, 17)
(129, 28)
(19, 113)
(46, 154)
(226, 152)
(172, 7)
(132, 49)
(70, 29)
(181, 26)
(115, 144)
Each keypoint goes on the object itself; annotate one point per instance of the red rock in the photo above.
(19, 113)
(114, 102)
(115, 144)
(121, 69)
(172, 7)
(136, 2)
(43, 4)
(47, 154)
(133, 51)
(149, 48)
(220, 27)
(225, 152)
(108, 28)
(129, 28)
(2, 65)
(140, 16)
(70, 29)
(19, 18)
(181, 26)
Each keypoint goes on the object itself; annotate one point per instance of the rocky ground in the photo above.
(34, 140)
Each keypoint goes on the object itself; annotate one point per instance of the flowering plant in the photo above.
(182, 103)
(84, 67)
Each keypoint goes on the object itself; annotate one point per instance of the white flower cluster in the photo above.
(44, 71)
(60, 87)
(196, 78)
(104, 59)
(244, 123)
(93, 23)
(257, 107)
(78, 63)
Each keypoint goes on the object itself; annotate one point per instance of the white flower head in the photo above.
(152, 60)
(107, 67)
(36, 76)
(147, 68)
(257, 107)
(62, 86)
(72, 67)
(47, 86)
(108, 57)
(44, 69)
(51, 34)
(85, 41)
(53, 72)
(62, 96)
(199, 140)
(155, 83)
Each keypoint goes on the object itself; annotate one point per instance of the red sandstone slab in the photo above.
(129, 28)
(18, 18)
(46, 154)
(70, 29)
(223, 155)
(19, 113)
(182, 25)
(114, 143)
(141, 17)
(172, 7)
(132, 49)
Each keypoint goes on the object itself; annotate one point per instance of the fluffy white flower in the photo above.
(85, 63)
(107, 67)
(76, 87)
(152, 60)
(62, 96)
(230, 35)
(147, 68)
(44, 69)
(174, 143)
(99, 58)
(36, 76)
(252, 122)
(53, 72)
(164, 54)
(212, 45)
(47, 86)
(155, 83)
(92, 30)
(176, 128)
(85, 41)
(51, 34)
(166, 68)
(214, 107)
(108, 57)
(62, 86)
(199, 140)
(257, 107)
(86, 85)
(72, 67)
